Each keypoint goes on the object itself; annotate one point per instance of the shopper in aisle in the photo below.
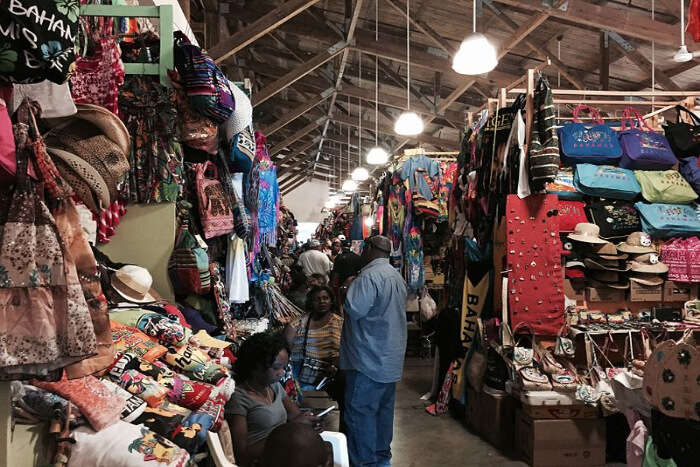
(337, 248)
(259, 403)
(315, 339)
(345, 267)
(372, 351)
(314, 261)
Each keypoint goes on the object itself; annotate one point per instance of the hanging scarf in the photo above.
(414, 260)
(268, 205)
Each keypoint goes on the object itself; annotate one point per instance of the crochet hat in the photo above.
(242, 116)
(79, 185)
(72, 166)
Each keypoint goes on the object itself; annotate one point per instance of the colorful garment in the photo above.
(414, 261)
(96, 79)
(322, 343)
(156, 160)
(268, 204)
(448, 171)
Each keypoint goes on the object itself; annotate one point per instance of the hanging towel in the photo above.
(237, 277)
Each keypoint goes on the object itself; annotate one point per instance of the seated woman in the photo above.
(259, 403)
(315, 338)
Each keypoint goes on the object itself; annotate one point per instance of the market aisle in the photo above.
(421, 440)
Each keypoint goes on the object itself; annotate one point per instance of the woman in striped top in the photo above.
(315, 339)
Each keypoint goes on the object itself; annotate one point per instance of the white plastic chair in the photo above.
(217, 451)
(340, 448)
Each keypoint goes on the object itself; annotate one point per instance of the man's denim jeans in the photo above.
(369, 420)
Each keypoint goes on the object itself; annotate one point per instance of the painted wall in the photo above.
(307, 201)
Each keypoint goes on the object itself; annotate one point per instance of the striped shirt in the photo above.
(323, 343)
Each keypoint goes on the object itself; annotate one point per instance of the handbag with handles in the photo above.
(606, 181)
(313, 370)
(476, 368)
(593, 145)
(665, 186)
(669, 220)
(642, 148)
(684, 138)
(214, 206)
(564, 347)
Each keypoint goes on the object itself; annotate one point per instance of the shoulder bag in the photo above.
(606, 181)
(689, 168)
(188, 266)
(667, 186)
(641, 147)
(214, 206)
(595, 145)
(313, 370)
(684, 138)
(206, 86)
(570, 214)
(669, 220)
(476, 368)
(615, 218)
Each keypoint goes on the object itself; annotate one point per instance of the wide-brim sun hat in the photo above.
(622, 285)
(648, 262)
(242, 116)
(587, 233)
(109, 124)
(134, 283)
(646, 279)
(637, 243)
(605, 265)
(80, 187)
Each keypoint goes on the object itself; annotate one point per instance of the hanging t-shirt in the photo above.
(421, 162)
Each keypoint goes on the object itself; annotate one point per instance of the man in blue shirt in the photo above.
(372, 352)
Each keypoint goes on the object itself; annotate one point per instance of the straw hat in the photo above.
(648, 262)
(605, 265)
(646, 279)
(134, 283)
(610, 279)
(85, 171)
(637, 242)
(80, 187)
(242, 116)
(587, 233)
(109, 124)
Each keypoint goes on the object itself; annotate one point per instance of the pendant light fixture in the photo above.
(682, 55)
(476, 54)
(377, 155)
(408, 123)
(360, 174)
(349, 185)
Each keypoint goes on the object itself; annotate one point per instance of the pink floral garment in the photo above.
(97, 79)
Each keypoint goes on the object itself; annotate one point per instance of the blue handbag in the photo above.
(242, 151)
(642, 149)
(669, 220)
(606, 181)
(583, 145)
(690, 170)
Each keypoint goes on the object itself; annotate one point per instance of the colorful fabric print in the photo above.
(156, 160)
(165, 330)
(96, 79)
(142, 386)
(195, 364)
(128, 339)
(268, 206)
(414, 261)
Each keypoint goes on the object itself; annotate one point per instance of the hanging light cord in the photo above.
(408, 55)
(376, 74)
(474, 16)
(359, 133)
(682, 23)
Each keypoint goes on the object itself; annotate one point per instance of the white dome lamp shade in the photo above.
(377, 156)
(476, 54)
(349, 186)
(360, 174)
(408, 123)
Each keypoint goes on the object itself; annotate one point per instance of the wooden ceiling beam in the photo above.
(296, 112)
(299, 72)
(295, 153)
(643, 63)
(622, 20)
(229, 46)
(539, 49)
(297, 135)
(289, 182)
(670, 72)
(387, 130)
(295, 186)
(349, 38)
(515, 38)
(422, 27)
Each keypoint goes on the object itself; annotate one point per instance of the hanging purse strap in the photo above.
(593, 112)
(680, 108)
(306, 337)
(627, 115)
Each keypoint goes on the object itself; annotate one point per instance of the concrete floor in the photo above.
(421, 440)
